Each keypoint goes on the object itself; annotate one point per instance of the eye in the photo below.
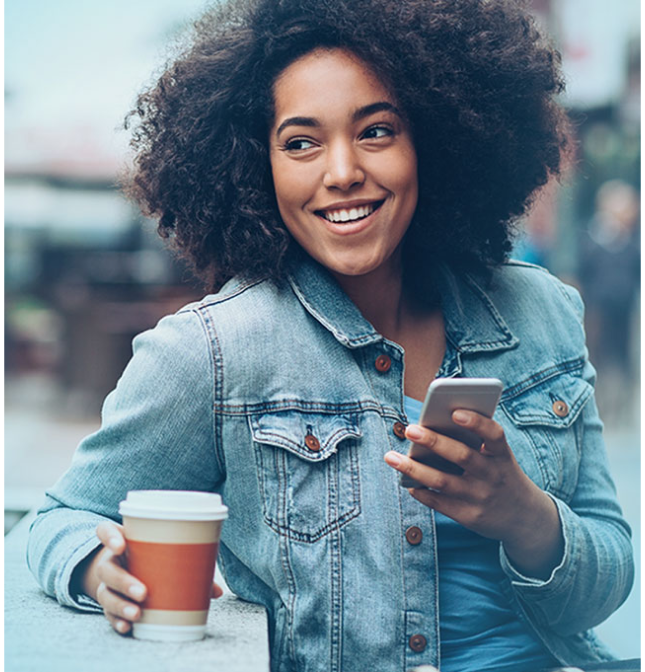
(298, 145)
(376, 132)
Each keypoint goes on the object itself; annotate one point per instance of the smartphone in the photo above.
(444, 396)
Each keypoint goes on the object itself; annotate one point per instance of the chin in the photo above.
(354, 269)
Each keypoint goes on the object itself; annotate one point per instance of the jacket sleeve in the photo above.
(156, 433)
(596, 572)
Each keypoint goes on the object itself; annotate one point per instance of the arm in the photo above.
(580, 568)
(576, 566)
(156, 433)
(492, 497)
(596, 572)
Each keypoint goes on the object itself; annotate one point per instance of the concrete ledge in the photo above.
(42, 635)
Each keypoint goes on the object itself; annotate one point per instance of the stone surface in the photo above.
(42, 635)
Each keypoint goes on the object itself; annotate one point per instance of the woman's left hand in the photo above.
(492, 497)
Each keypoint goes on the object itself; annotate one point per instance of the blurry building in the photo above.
(84, 273)
(600, 48)
(587, 228)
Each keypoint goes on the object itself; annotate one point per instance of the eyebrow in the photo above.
(361, 113)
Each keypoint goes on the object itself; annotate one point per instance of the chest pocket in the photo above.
(544, 434)
(308, 472)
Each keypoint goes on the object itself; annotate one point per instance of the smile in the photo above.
(349, 215)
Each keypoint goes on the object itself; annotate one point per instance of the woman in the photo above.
(351, 170)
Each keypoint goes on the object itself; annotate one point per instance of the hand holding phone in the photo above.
(444, 396)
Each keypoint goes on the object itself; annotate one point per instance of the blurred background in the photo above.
(84, 272)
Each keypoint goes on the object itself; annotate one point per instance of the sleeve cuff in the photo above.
(63, 593)
(558, 574)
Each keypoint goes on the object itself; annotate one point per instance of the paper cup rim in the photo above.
(173, 505)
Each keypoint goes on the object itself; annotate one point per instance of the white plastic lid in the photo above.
(173, 505)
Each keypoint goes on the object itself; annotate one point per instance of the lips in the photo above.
(349, 214)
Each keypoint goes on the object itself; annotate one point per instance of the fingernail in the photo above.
(393, 459)
(136, 591)
(113, 543)
(461, 417)
(130, 612)
(121, 626)
(414, 432)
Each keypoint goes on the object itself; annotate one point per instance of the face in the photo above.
(343, 162)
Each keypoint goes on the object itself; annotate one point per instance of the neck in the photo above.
(379, 296)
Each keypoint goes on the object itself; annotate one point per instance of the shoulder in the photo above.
(243, 307)
(544, 313)
(533, 288)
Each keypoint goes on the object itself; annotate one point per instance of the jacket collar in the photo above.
(472, 322)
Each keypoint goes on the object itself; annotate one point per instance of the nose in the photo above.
(343, 169)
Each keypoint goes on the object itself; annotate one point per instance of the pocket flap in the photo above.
(555, 402)
(312, 436)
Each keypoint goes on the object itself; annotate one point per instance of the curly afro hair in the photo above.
(475, 78)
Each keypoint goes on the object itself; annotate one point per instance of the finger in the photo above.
(111, 536)
(119, 580)
(428, 476)
(449, 449)
(115, 606)
(452, 507)
(121, 626)
(490, 431)
(430, 498)
(217, 590)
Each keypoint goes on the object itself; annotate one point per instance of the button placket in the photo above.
(560, 408)
(383, 363)
(418, 643)
(414, 535)
(312, 443)
(399, 430)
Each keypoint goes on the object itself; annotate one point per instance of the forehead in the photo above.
(327, 80)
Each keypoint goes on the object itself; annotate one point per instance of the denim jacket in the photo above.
(278, 398)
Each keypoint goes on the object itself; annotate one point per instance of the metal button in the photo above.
(312, 442)
(560, 409)
(399, 429)
(417, 643)
(414, 535)
(383, 363)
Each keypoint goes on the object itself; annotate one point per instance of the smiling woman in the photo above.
(343, 164)
(479, 105)
(350, 172)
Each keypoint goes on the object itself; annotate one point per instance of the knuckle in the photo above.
(100, 592)
(497, 433)
(465, 457)
(477, 516)
(440, 482)
(408, 467)
(103, 530)
(102, 566)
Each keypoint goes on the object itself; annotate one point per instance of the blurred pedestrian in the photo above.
(610, 279)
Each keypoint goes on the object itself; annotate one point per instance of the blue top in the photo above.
(478, 629)
(284, 399)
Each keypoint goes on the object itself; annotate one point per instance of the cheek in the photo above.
(402, 176)
(292, 185)
(409, 170)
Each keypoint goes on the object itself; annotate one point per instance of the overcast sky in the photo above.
(73, 67)
(74, 64)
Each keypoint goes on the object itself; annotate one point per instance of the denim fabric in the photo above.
(226, 396)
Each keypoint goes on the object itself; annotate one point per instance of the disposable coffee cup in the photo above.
(172, 543)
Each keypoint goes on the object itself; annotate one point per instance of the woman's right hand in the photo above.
(103, 576)
(106, 580)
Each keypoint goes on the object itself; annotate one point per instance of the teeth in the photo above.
(349, 215)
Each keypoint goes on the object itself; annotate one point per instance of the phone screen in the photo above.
(444, 396)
